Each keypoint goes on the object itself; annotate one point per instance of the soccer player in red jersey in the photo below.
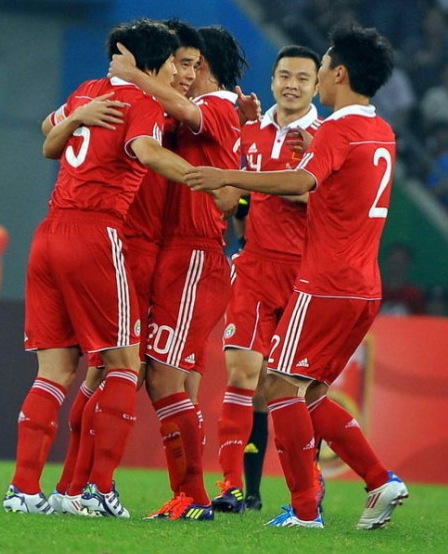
(192, 284)
(143, 231)
(274, 234)
(348, 171)
(70, 308)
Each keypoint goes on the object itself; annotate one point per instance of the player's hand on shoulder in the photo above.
(102, 111)
(122, 65)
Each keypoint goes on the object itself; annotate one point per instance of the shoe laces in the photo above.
(89, 490)
(289, 512)
(181, 505)
(165, 508)
(224, 486)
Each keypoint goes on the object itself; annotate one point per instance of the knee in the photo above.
(243, 368)
(315, 391)
(63, 377)
(163, 381)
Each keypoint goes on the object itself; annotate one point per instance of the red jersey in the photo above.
(217, 144)
(146, 213)
(274, 225)
(352, 158)
(99, 171)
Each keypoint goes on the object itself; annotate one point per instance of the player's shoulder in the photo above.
(250, 129)
(223, 98)
(90, 87)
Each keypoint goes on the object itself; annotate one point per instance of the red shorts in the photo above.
(317, 335)
(78, 290)
(261, 288)
(191, 291)
(142, 258)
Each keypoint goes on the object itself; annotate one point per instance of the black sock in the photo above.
(254, 454)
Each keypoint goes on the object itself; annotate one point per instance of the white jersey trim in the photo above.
(187, 305)
(354, 109)
(223, 94)
(123, 307)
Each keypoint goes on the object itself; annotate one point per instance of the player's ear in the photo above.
(341, 74)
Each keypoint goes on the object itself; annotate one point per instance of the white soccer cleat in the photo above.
(103, 504)
(72, 505)
(381, 502)
(289, 519)
(55, 501)
(17, 501)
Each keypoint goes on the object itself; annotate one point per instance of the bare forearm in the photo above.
(170, 165)
(161, 160)
(174, 103)
(270, 182)
(301, 199)
(58, 136)
(46, 126)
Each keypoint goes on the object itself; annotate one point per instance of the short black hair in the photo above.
(188, 36)
(151, 42)
(296, 51)
(224, 55)
(367, 55)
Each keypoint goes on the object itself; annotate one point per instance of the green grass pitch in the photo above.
(419, 526)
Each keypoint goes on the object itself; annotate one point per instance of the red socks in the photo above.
(75, 420)
(84, 459)
(343, 434)
(294, 439)
(201, 427)
(181, 437)
(37, 426)
(113, 421)
(234, 427)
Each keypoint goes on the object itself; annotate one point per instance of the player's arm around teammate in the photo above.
(177, 105)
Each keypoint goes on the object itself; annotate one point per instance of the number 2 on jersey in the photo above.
(381, 154)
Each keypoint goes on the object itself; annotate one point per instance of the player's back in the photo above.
(352, 158)
(99, 171)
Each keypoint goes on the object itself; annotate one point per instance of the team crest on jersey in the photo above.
(229, 330)
(137, 328)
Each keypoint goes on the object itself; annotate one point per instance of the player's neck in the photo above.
(206, 84)
(285, 117)
(350, 98)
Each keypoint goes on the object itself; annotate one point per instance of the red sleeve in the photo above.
(217, 118)
(145, 119)
(327, 152)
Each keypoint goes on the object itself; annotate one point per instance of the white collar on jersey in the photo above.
(303, 122)
(224, 94)
(116, 81)
(354, 109)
